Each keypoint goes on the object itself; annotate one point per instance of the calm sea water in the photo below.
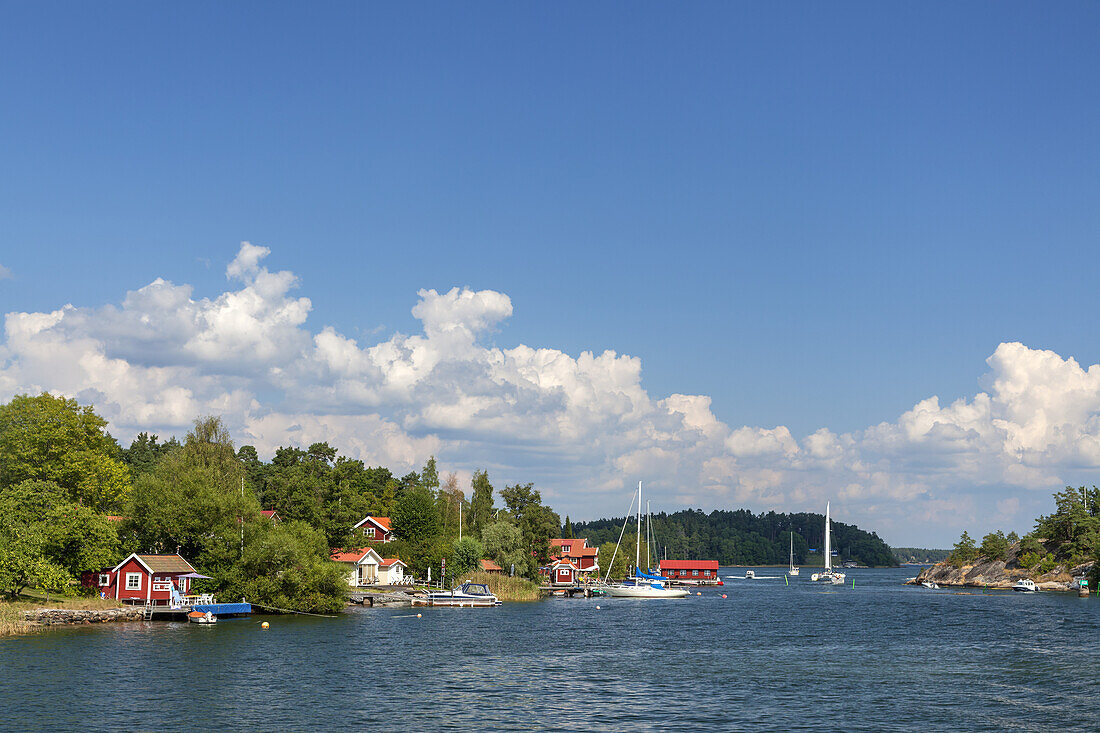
(879, 656)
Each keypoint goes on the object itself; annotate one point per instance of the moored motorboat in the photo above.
(1027, 585)
(468, 595)
(929, 584)
(202, 617)
(750, 575)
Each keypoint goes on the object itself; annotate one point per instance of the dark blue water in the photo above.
(769, 657)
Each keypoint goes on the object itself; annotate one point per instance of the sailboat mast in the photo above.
(638, 534)
(828, 545)
(648, 538)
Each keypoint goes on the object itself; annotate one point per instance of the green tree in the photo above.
(49, 438)
(504, 543)
(481, 502)
(414, 518)
(567, 530)
(964, 551)
(465, 556)
(994, 545)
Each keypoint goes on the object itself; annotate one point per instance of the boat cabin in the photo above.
(143, 579)
(700, 572)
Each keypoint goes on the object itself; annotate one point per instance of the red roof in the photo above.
(350, 555)
(488, 565)
(689, 564)
(391, 561)
(579, 541)
(564, 563)
(269, 513)
(585, 552)
(383, 522)
(114, 518)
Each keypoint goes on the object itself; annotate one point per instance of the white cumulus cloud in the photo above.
(581, 426)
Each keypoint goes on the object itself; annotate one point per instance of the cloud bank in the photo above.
(582, 427)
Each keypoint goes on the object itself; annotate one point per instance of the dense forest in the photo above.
(743, 538)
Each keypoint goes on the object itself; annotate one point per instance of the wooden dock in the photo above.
(585, 591)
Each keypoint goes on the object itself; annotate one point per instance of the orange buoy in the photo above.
(264, 625)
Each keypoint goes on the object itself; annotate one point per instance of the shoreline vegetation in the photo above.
(508, 589)
(15, 616)
(1062, 548)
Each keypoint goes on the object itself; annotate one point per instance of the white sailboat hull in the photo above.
(645, 591)
(792, 571)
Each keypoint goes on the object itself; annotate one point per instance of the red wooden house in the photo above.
(375, 529)
(578, 552)
(563, 572)
(702, 572)
(144, 579)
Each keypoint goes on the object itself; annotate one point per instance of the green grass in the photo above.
(11, 612)
(505, 588)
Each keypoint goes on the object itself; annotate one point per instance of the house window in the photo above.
(706, 573)
(694, 572)
(133, 581)
(104, 579)
(369, 532)
(565, 548)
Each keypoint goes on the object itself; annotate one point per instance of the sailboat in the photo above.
(641, 585)
(793, 570)
(828, 576)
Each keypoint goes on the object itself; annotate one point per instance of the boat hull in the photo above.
(644, 591)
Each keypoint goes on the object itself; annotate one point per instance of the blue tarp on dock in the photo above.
(224, 609)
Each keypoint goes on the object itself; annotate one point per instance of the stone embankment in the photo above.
(68, 616)
(998, 574)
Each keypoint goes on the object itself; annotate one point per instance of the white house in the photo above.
(367, 567)
(391, 571)
(363, 566)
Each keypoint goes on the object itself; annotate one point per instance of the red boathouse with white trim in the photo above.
(688, 571)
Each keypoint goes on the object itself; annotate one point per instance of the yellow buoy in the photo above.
(698, 593)
(264, 625)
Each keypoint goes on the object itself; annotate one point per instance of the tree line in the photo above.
(740, 537)
(73, 500)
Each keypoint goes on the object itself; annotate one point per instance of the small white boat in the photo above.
(792, 570)
(750, 575)
(202, 617)
(930, 584)
(1027, 585)
(468, 595)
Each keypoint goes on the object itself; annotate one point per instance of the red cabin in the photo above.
(702, 572)
(578, 552)
(144, 579)
(563, 572)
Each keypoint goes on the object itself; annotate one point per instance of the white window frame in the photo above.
(104, 579)
(695, 572)
(368, 532)
(135, 586)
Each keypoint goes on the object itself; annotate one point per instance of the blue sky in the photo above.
(817, 216)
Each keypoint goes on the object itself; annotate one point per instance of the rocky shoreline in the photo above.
(999, 574)
(70, 616)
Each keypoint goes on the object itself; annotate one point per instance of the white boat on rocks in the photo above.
(1027, 585)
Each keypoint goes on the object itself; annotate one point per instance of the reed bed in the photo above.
(506, 588)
